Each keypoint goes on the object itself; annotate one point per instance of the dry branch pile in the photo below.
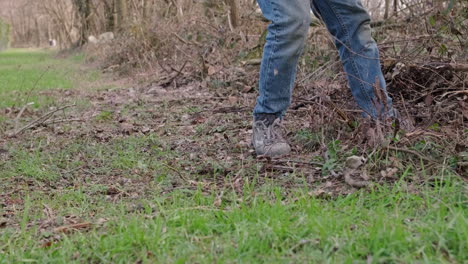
(428, 74)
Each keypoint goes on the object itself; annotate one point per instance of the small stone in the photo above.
(354, 162)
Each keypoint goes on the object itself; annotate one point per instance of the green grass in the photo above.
(263, 223)
(384, 226)
(25, 73)
(159, 206)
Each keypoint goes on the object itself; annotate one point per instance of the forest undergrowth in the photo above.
(424, 60)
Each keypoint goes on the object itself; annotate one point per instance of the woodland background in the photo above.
(206, 36)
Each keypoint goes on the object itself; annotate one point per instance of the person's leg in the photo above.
(290, 20)
(349, 23)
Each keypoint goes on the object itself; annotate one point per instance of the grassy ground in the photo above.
(151, 180)
(27, 72)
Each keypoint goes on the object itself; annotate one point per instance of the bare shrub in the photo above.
(202, 40)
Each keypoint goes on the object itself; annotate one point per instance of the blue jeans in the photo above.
(349, 24)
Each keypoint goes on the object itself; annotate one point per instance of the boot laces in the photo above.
(274, 132)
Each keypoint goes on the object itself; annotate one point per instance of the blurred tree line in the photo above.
(70, 22)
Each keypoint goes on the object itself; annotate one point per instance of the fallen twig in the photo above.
(252, 62)
(341, 113)
(40, 120)
(178, 72)
(57, 121)
(460, 67)
(20, 114)
(454, 93)
(410, 152)
(73, 227)
(302, 162)
(186, 41)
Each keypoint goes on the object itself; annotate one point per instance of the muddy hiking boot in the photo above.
(268, 137)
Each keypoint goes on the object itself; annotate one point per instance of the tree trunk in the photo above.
(234, 13)
(387, 7)
(38, 33)
(146, 9)
(122, 13)
(109, 14)
(84, 11)
(395, 8)
(179, 8)
(86, 21)
(49, 34)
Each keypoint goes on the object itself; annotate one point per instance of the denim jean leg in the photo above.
(287, 32)
(349, 23)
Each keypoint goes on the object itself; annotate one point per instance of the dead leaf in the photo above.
(76, 255)
(232, 100)
(389, 172)
(126, 128)
(112, 191)
(101, 221)
(247, 89)
(428, 100)
(212, 70)
(3, 152)
(48, 212)
(3, 222)
(47, 244)
(317, 193)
